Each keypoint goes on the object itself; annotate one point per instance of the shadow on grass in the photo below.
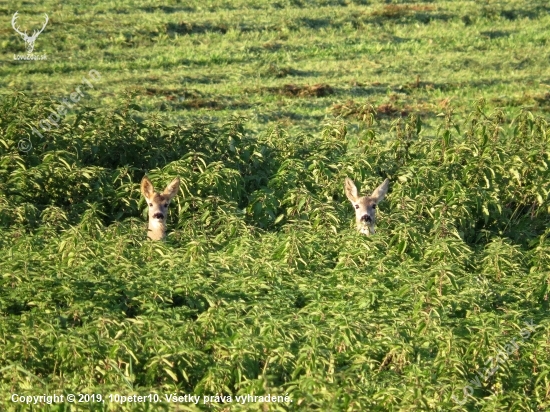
(167, 9)
(182, 28)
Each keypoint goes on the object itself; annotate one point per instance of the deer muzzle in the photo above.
(366, 219)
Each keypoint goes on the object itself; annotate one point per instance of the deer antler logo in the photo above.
(29, 40)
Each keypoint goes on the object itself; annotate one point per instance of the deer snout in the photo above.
(158, 215)
(366, 218)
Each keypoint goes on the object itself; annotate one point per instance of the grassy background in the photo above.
(214, 60)
(263, 286)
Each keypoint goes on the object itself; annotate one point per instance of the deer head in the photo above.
(29, 40)
(365, 207)
(158, 206)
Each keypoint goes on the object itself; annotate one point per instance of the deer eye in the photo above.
(150, 204)
(357, 206)
(166, 205)
(374, 206)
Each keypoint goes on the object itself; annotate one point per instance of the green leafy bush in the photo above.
(263, 286)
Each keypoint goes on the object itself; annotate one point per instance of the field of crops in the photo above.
(263, 286)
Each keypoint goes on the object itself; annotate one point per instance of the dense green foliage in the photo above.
(263, 286)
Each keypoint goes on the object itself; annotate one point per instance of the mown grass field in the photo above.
(263, 287)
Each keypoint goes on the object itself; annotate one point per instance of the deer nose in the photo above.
(158, 216)
(366, 218)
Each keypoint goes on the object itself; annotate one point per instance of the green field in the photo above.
(263, 286)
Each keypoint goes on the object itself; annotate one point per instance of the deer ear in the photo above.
(351, 190)
(147, 189)
(380, 192)
(172, 189)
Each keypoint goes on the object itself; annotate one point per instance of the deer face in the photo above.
(158, 206)
(365, 207)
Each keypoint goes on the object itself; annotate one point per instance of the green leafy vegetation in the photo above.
(263, 285)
